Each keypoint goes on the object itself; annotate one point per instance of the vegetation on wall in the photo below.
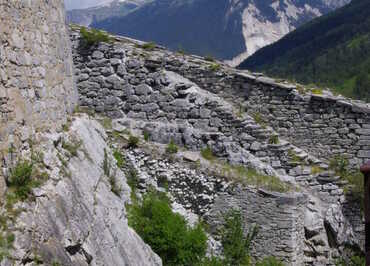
(91, 37)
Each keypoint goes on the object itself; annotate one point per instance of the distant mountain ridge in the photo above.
(227, 29)
(333, 50)
(109, 9)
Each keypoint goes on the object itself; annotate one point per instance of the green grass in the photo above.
(72, 147)
(172, 148)
(274, 139)
(149, 46)
(21, 181)
(317, 91)
(146, 136)
(259, 119)
(119, 158)
(92, 37)
(6, 244)
(215, 67)
(250, 176)
(355, 187)
(209, 58)
(133, 142)
(207, 154)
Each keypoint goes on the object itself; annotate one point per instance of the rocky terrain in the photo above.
(243, 142)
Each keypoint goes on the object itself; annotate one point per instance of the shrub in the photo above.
(270, 261)
(93, 37)
(166, 232)
(215, 67)
(6, 243)
(119, 158)
(339, 164)
(21, 180)
(146, 135)
(72, 148)
(274, 139)
(209, 58)
(207, 154)
(133, 142)
(132, 179)
(235, 245)
(149, 46)
(172, 147)
(317, 91)
(259, 119)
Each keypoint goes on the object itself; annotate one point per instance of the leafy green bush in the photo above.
(207, 154)
(21, 180)
(236, 246)
(133, 142)
(91, 37)
(172, 147)
(166, 232)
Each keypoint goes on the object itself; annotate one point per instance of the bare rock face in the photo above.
(76, 219)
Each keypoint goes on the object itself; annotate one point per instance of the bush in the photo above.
(274, 139)
(215, 67)
(236, 246)
(93, 37)
(354, 261)
(166, 232)
(146, 135)
(207, 154)
(72, 148)
(172, 147)
(133, 142)
(209, 58)
(339, 164)
(149, 46)
(21, 180)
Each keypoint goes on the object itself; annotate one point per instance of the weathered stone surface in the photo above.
(81, 221)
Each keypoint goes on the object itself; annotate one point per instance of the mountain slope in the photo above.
(230, 30)
(115, 8)
(333, 50)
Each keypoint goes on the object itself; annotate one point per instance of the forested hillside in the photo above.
(333, 51)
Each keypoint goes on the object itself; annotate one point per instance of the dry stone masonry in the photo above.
(198, 103)
(36, 77)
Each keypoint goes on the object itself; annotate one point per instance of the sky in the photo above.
(73, 4)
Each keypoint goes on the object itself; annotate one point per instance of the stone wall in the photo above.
(319, 124)
(279, 218)
(36, 77)
(197, 103)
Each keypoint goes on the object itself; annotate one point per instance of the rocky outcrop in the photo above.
(75, 218)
